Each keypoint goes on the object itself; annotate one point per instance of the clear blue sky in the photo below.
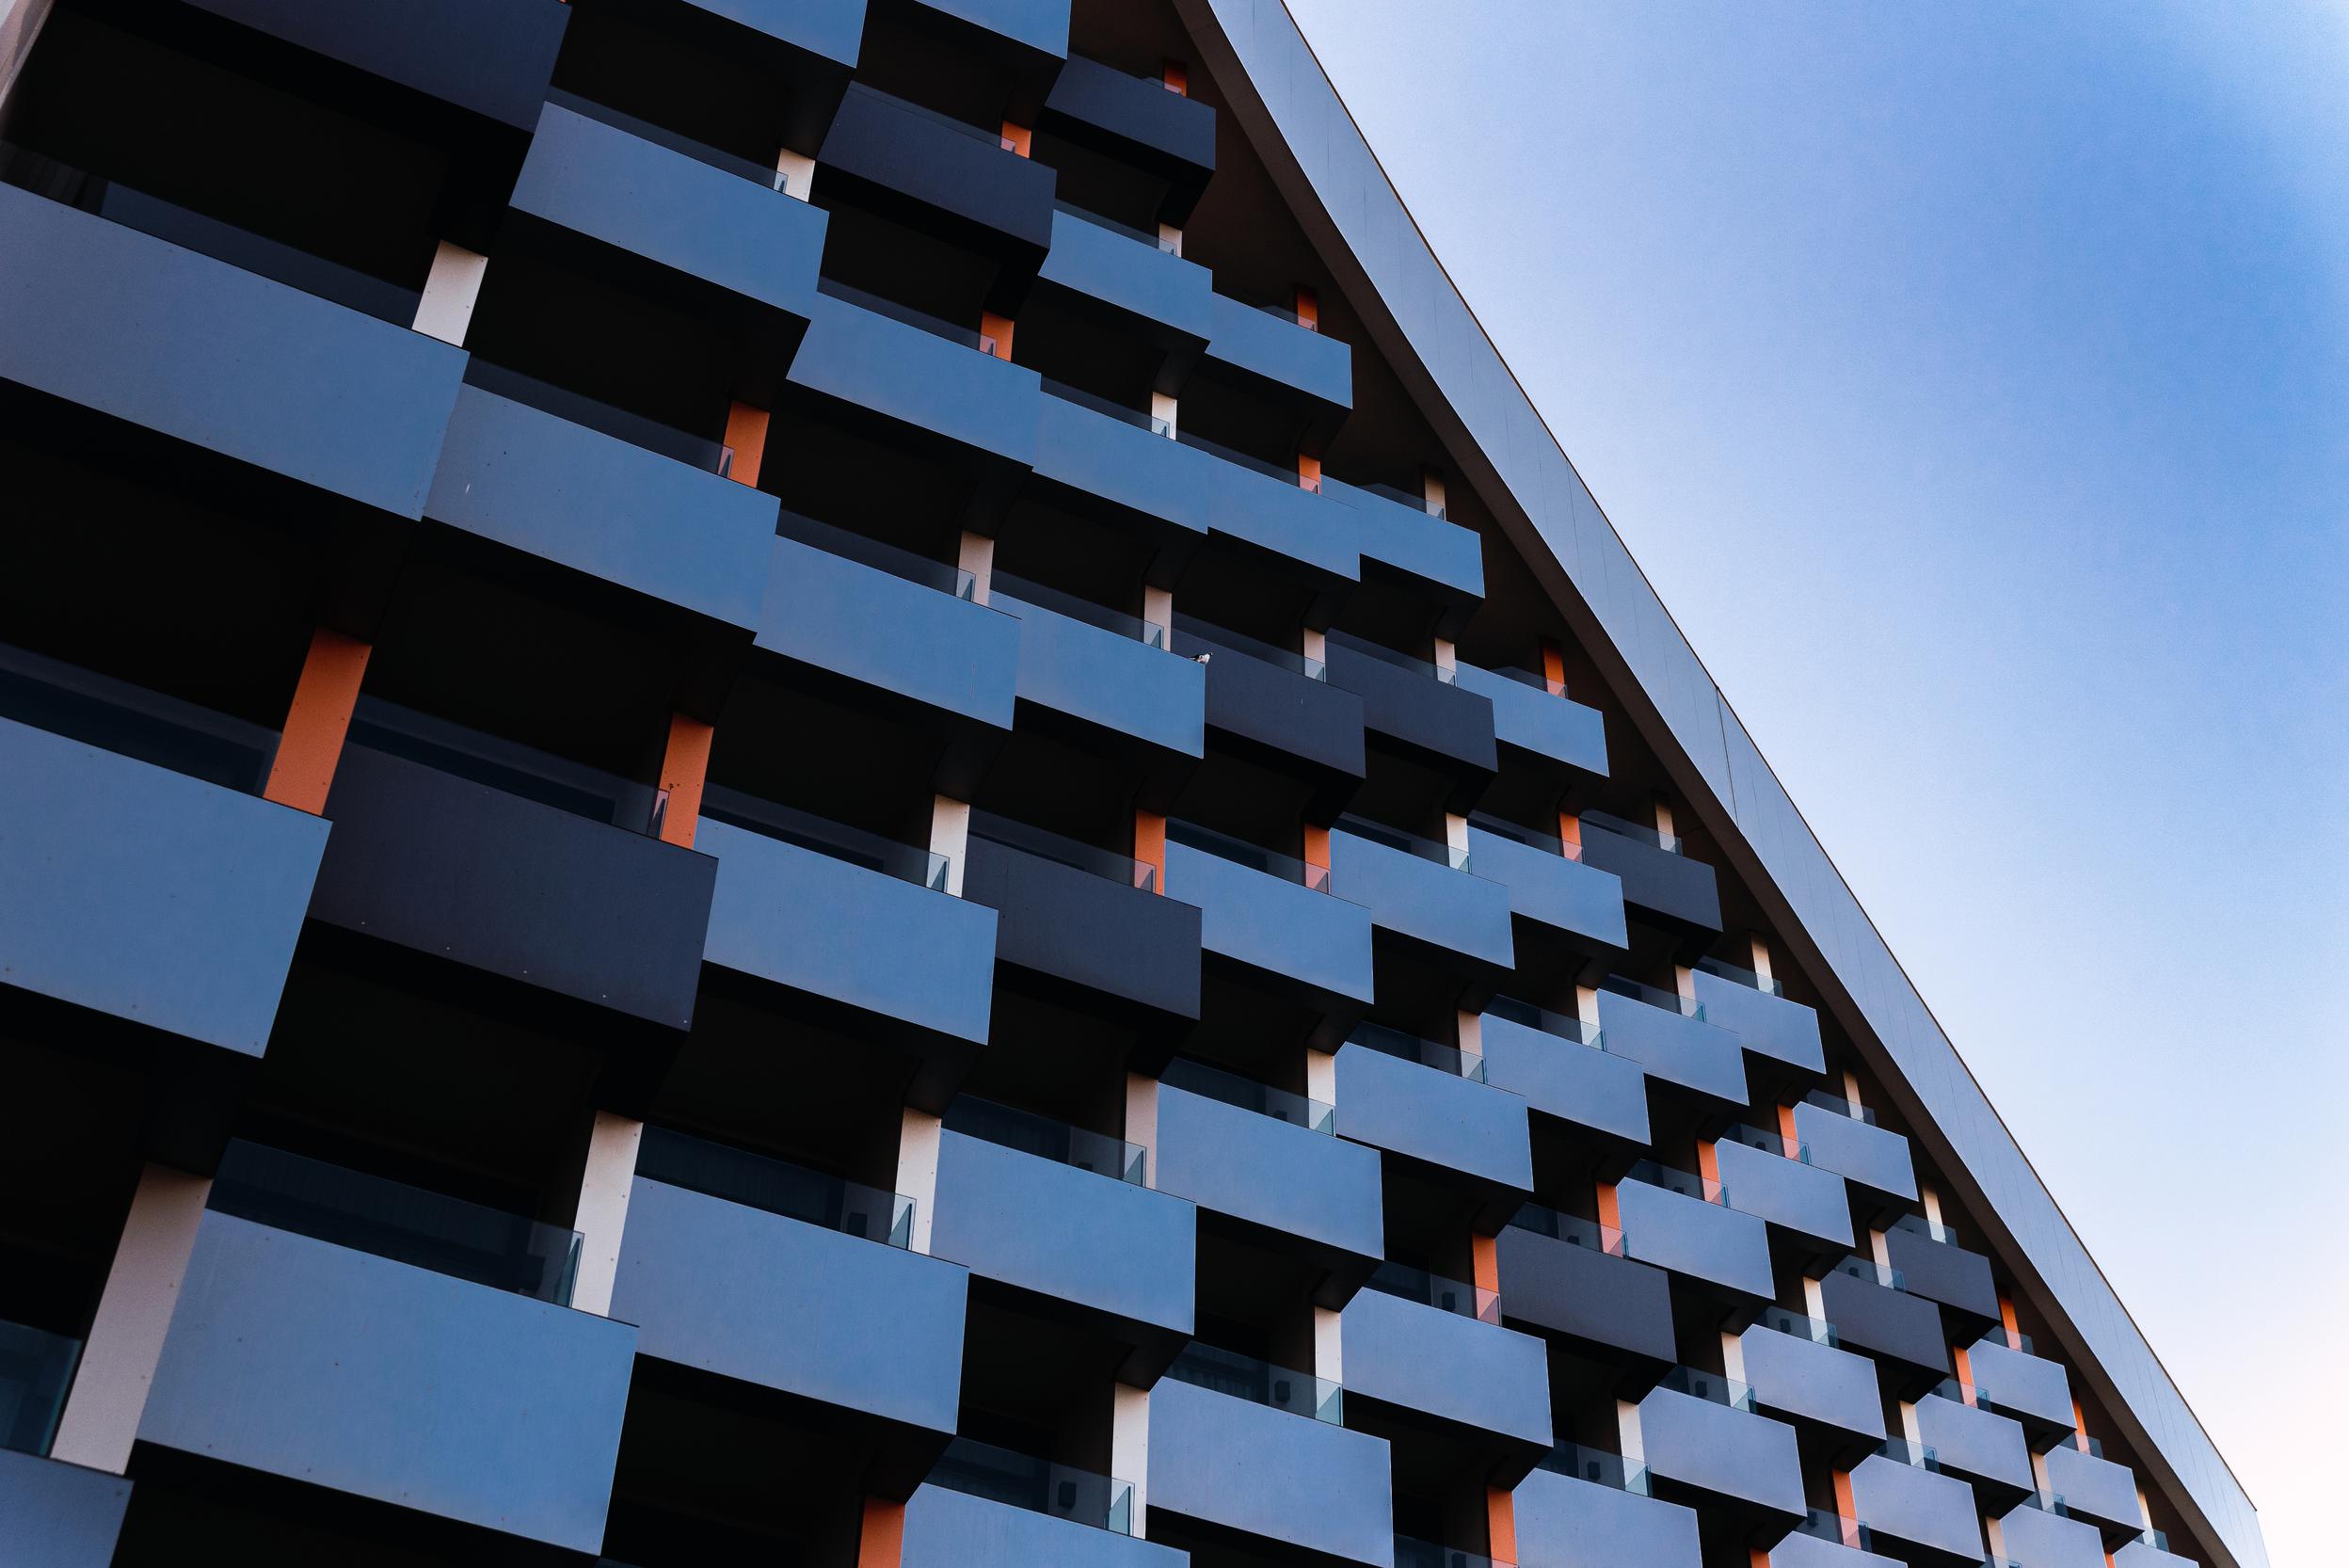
(1972, 382)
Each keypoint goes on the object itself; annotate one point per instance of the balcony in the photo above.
(1796, 1372)
(487, 1406)
(1569, 1280)
(1578, 906)
(1412, 708)
(1672, 1043)
(1937, 1269)
(1265, 1164)
(145, 893)
(2033, 1391)
(1465, 1136)
(1107, 683)
(1976, 1444)
(1139, 122)
(1424, 897)
(807, 48)
(1765, 1023)
(1660, 883)
(1542, 734)
(2150, 1549)
(1126, 282)
(1094, 1244)
(1565, 1072)
(2039, 1536)
(986, 1511)
(1278, 709)
(783, 1279)
(60, 1515)
(1575, 1511)
(1681, 1223)
(859, 945)
(953, 181)
(1236, 1446)
(1293, 531)
(1704, 1444)
(1806, 1207)
(698, 230)
(1415, 550)
(539, 895)
(1085, 924)
(1008, 29)
(220, 359)
(1433, 1354)
(1915, 1513)
(1294, 366)
(1824, 1539)
(1873, 1313)
(1845, 1139)
(589, 503)
(2095, 1489)
(1261, 917)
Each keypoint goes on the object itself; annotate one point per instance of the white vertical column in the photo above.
(1761, 959)
(1163, 407)
(125, 1345)
(1447, 657)
(1158, 609)
(601, 1217)
(1432, 486)
(1321, 1076)
(1879, 1250)
(1814, 1299)
(977, 558)
(1664, 817)
(1329, 1346)
(1733, 1357)
(918, 1170)
(1932, 1201)
(797, 174)
(1316, 646)
(1909, 1427)
(1851, 1092)
(1627, 1428)
(1141, 1123)
(454, 284)
(1586, 1009)
(1171, 238)
(950, 835)
(1129, 1451)
(1456, 834)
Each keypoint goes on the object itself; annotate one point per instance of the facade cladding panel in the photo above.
(659, 658)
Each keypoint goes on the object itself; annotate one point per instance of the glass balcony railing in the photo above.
(1060, 849)
(390, 1219)
(1193, 637)
(591, 412)
(1746, 978)
(1767, 1142)
(1042, 1136)
(1624, 828)
(1426, 1554)
(1286, 312)
(1164, 243)
(660, 136)
(1386, 655)
(1840, 1106)
(1244, 1377)
(1002, 587)
(1826, 1525)
(2158, 1540)
(1411, 1048)
(1599, 1467)
(1711, 1387)
(777, 1186)
(1453, 856)
(1818, 1331)
(1655, 1173)
(1962, 1392)
(1395, 494)
(2046, 1502)
(1559, 1024)
(1532, 837)
(36, 1369)
(507, 766)
(1287, 868)
(773, 820)
(1654, 996)
(1873, 1272)
(1286, 472)
(1572, 1229)
(851, 546)
(1108, 406)
(2092, 1447)
(132, 721)
(1931, 1229)
(912, 315)
(1916, 1455)
(1445, 1295)
(938, 117)
(1023, 1480)
(1248, 1094)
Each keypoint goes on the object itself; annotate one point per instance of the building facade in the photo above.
(838, 782)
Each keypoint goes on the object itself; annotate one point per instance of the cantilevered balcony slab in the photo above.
(1739, 1467)
(2041, 1538)
(1810, 1548)
(346, 1371)
(1454, 918)
(1584, 1524)
(1764, 1024)
(1306, 947)
(1139, 124)
(1723, 1252)
(1903, 1332)
(1132, 289)
(1482, 1387)
(1586, 1088)
(1410, 711)
(1663, 888)
(2021, 1385)
(220, 359)
(1466, 1135)
(1111, 693)
(808, 47)
(1403, 544)
(1924, 1517)
(1029, 39)
(1280, 718)
(1105, 945)
(1288, 1188)
(1830, 1394)
(584, 502)
(1581, 905)
(1290, 530)
(2096, 1490)
(1939, 1270)
(1279, 357)
(1672, 1048)
(59, 1516)
(1865, 1155)
(1125, 473)
(462, 871)
(955, 182)
(1559, 741)
(2142, 1553)
(1287, 1483)
(945, 1529)
(1980, 1447)
(871, 953)
(1806, 1207)
(148, 895)
(1595, 1303)
(1117, 1256)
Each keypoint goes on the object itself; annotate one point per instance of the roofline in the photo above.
(1697, 732)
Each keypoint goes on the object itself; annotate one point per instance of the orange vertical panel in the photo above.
(1017, 139)
(882, 1542)
(998, 330)
(2079, 1426)
(1570, 834)
(1500, 1524)
(1757, 1558)
(1485, 1260)
(316, 722)
(1708, 1163)
(746, 438)
(1786, 1128)
(2006, 1317)
(1177, 77)
(1308, 308)
(1316, 847)
(683, 771)
(1308, 472)
(1965, 1373)
(1553, 669)
(1846, 1510)
(1150, 846)
(1610, 1214)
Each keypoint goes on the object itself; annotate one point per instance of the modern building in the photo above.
(839, 782)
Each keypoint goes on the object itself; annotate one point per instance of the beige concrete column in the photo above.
(797, 173)
(1163, 407)
(1627, 1428)
(1432, 486)
(1447, 657)
(1587, 1008)
(602, 1216)
(918, 1170)
(1158, 610)
(1169, 235)
(950, 835)
(1316, 646)
(1851, 1092)
(1321, 1076)
(1760, 962)
(1329, 1347)
(125, 1346)
(977, 558)
(1141, 1123)
(1129, 1449)
(1456, 834)
(454, 284)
